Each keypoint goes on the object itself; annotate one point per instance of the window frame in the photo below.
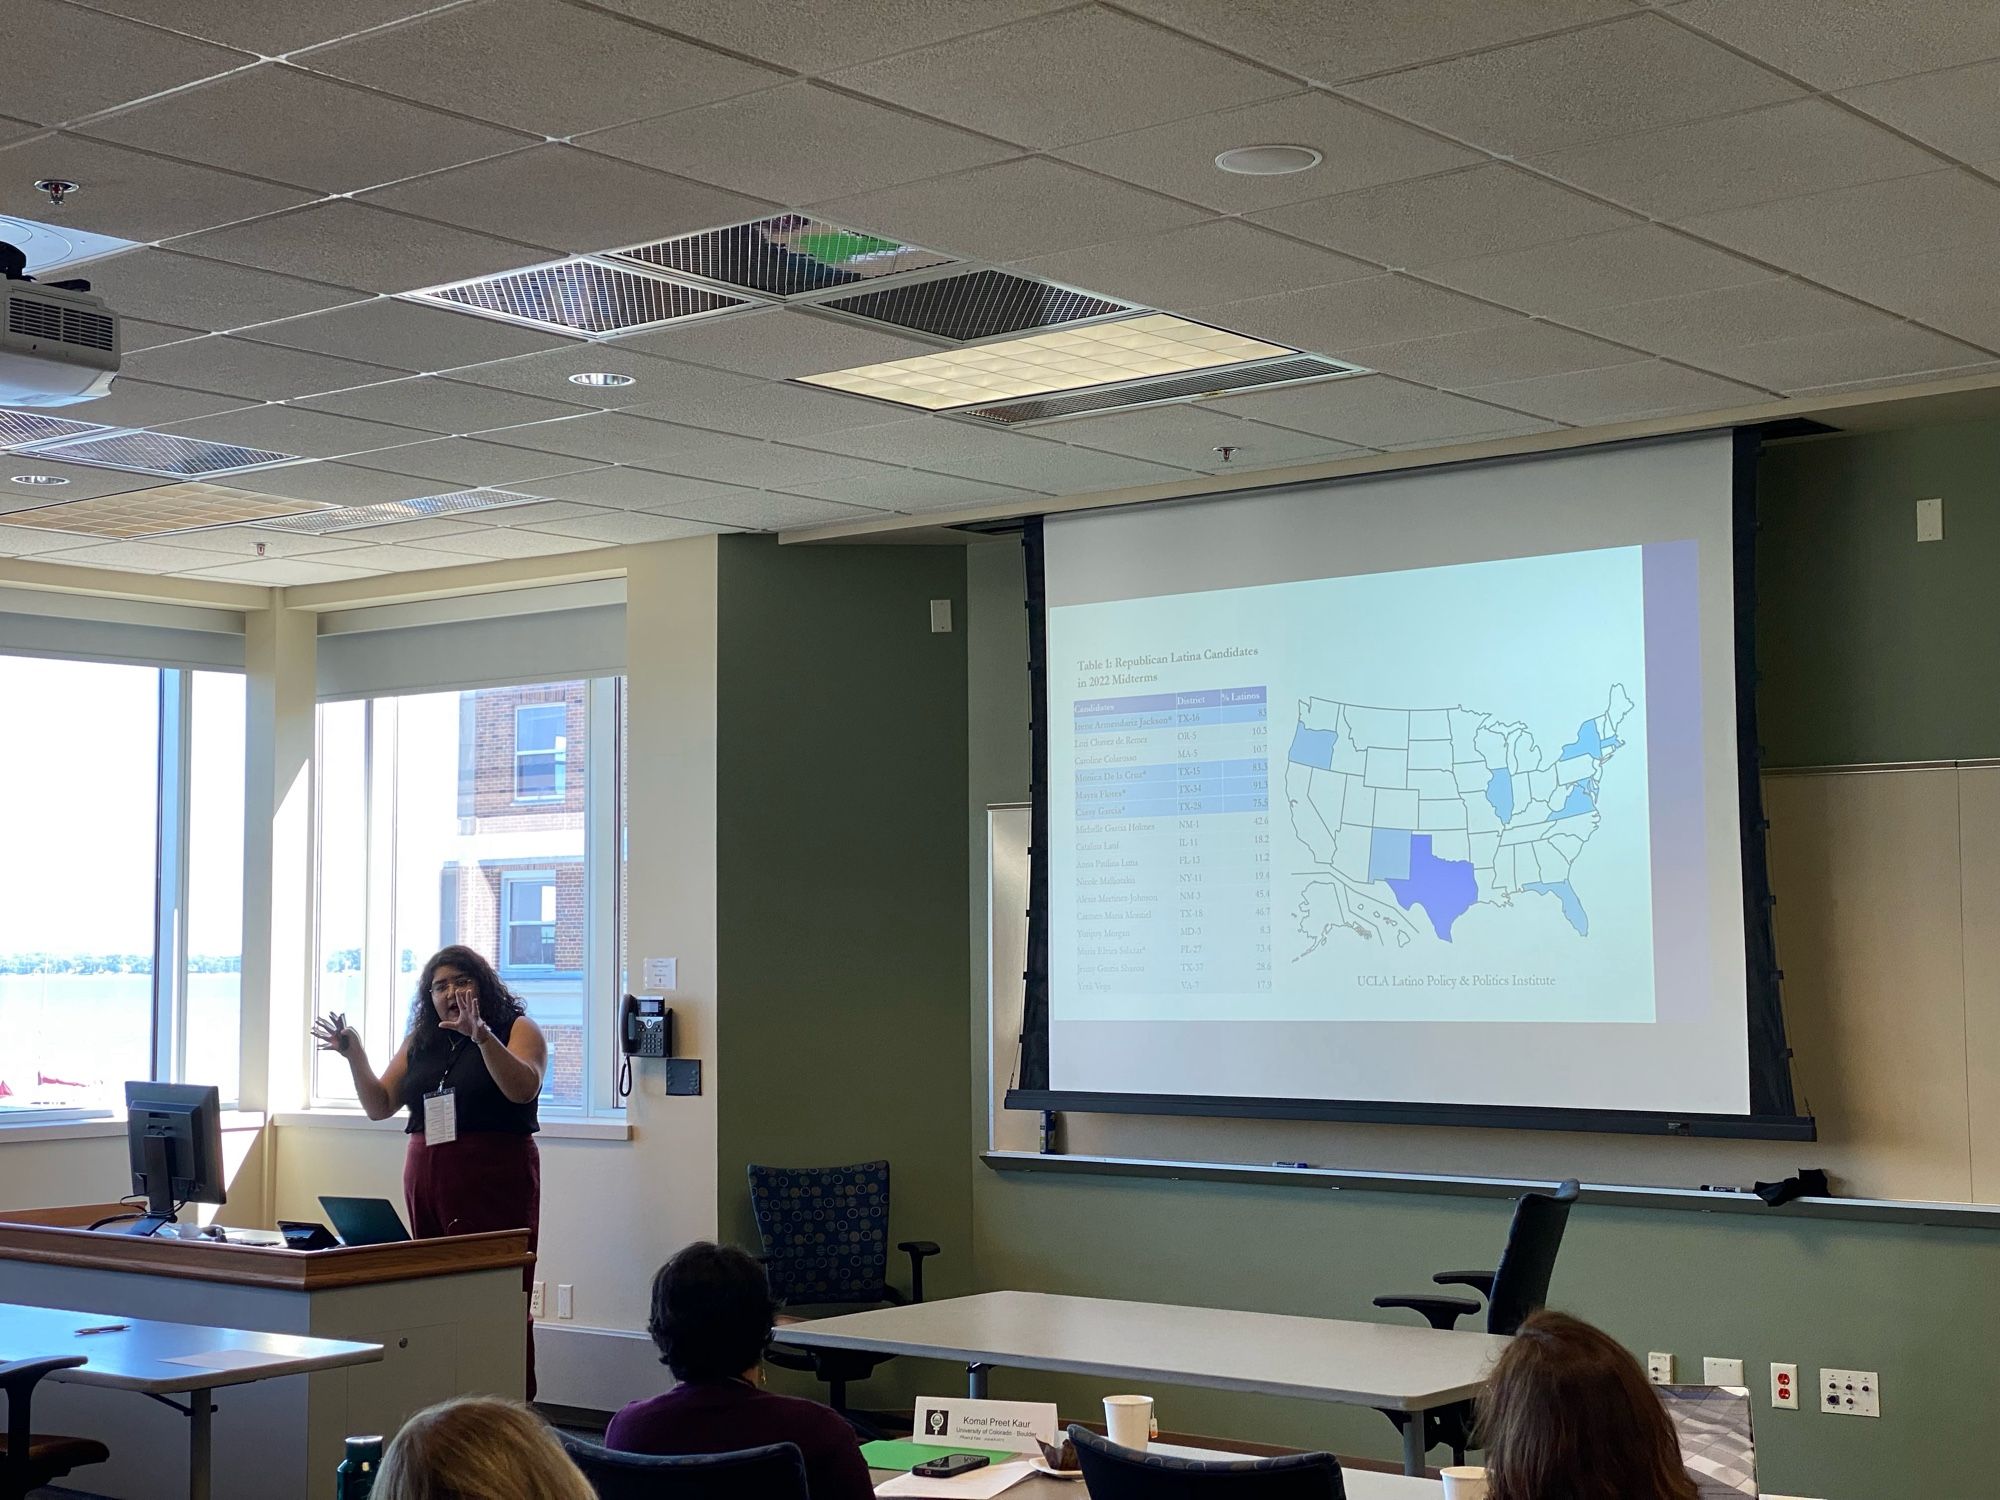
(558, 753)
(510, 880)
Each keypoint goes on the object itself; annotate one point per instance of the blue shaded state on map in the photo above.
(1409, 810)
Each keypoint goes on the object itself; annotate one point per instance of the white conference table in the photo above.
(1388, 1366)
(161, 1359)
(1360, 1484)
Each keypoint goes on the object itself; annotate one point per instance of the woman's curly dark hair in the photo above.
(498, 1005)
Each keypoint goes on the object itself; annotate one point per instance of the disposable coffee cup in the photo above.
(1464, 1482)
(1128, 1420)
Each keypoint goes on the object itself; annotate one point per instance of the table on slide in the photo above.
(1382, 1365)
(163, 1359)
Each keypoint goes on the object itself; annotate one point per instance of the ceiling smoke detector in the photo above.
(1269, 161)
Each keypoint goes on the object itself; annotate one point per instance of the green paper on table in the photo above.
(886, 1453)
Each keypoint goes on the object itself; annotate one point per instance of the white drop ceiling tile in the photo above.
(467, 463)
(1889, 381)
(1952, 290)
(759, 510)
(1361, 148)
(406, 335)
(13, 130)
(637, 489)
(795, 33)
(566, 199)
(280, 572)
(1512, 351)
(1017, 459)
(1784, 151)
(765, 409)
(541, 514)
(628, 528)
(31, 541)
(338, 484)
(1077, 471)
(1951, 109)
(1906, 216)
(1603, 270)
(915, 489)
(243, 541)
(258, 25)
(494, 542)
(1835, 44)
(351, 244)
(401, 559)
(252, 371)
(1057, 79)
(292, 126)
(1622, 393)
(128, 193)
(777, 345)
(64, 62)
(135, 334)
(1356, 314)
(440, 405)
(149, 556)
(1375, 411)
(1842, 356)
(1223, 260)
(659, 386)
(398, 532)
(1484, 211)
(797, 144)
(85, 482)
(139, 403)
(760, 465)
(538, 65)
(1603, 81)
(211, 295)
(1354, 38)
(1032, 206)
(1190, 436)
(295, 430)
(1699, 328)
(616, 438)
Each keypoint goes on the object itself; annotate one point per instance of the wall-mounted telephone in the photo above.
(646, 1030)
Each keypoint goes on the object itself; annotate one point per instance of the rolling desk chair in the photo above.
(1516, 1287)
(31, 1460)
(1114, 1473)
(825, 1232)
(777, 1472)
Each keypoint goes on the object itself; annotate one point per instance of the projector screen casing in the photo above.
(1771, 1112)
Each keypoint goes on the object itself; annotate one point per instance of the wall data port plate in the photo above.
(1850, 1393)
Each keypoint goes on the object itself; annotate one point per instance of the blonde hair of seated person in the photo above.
(478, 1448)
(1567, 1414)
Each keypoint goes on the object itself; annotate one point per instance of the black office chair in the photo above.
(31, 1460)
(1516, 1287)
(825, 1232)
(777, 1472)
(1114, 1473)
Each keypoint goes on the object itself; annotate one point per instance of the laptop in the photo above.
(1713, 1422)
(365, 1221)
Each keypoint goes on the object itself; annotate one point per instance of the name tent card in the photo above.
(1015, 1425)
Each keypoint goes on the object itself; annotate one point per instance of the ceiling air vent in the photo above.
(141, 452)
(784, 256)
(977, 305)
(1161, 389)
(19, 428)
(158, 511)
(590, 298)
(353, 517)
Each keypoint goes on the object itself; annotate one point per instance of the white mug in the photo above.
(1464, 1482)
(1128, 1420)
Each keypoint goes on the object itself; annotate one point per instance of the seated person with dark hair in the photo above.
(712, 1316)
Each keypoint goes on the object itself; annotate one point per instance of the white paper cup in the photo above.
(1464, 1482)
(1128, 1420)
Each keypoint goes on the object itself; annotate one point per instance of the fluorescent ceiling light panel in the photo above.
(785, 256)
(582, 297)
(1065, 359)
(156, 512)
(353, 517)
(49, 246)
(1256, 376)
(137, 451)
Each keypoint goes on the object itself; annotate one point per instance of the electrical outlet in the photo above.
(1660, 1369)
(1721, 1371)
(1850, 1393)
(1785, 1387)
(565, 1300)
(538, 1299)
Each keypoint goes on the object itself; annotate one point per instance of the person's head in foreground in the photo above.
(712, 1313)
(1568, 1415)
(478, 1448)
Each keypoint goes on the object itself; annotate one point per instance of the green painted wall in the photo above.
(1873, 649)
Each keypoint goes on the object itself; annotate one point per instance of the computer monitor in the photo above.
(173, 1134)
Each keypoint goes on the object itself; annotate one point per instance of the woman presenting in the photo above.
(470, 1069)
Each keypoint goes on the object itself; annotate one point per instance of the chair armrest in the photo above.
(1480, 1281)
(1441, 1312)
(919, 1251)
(19, 1380)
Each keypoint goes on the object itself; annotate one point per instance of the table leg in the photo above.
(1413, 1443)
(200, 1429)
(976, 1380)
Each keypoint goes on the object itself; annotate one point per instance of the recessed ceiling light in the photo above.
(1269, 161)
(38, 479)
(602, 378)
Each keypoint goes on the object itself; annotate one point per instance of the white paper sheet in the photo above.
(980, 1484)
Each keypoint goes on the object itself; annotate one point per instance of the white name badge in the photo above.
(1014, 1425)
(440, 1118)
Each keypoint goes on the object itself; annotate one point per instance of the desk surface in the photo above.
(1270, 1354)
(161, 1357)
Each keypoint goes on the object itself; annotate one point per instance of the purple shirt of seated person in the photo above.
(712, 1316)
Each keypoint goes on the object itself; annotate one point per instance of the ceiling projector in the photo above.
(59, 344)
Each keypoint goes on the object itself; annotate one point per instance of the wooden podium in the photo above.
(450, 1313)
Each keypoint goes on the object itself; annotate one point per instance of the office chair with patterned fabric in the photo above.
(1114, 1473)
(30, 1460)
(825, 1232)
(777, 1472)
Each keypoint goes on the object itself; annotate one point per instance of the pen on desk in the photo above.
(103, 1328)
(1299, 1164)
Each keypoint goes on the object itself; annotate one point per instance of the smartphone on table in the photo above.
(951, 1466)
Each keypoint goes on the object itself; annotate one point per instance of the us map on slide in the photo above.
(1433, 811)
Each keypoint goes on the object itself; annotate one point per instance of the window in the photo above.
(121, 903)
(453, 818)
(541, 749)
